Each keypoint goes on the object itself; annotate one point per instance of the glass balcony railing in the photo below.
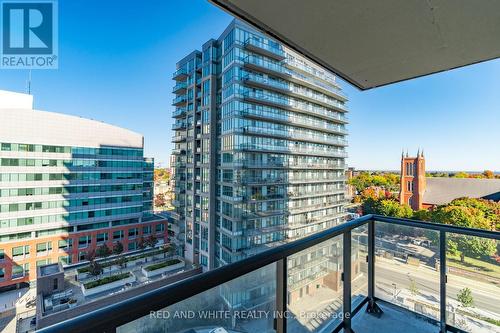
(295, 134)
(179, 125)
(181, 99)
(179, 87)
(272, 66)
(388, 266)
(180, 74)
(290, 103)
(295, 90)
(179, 112)
(268, 48)
(294, 149)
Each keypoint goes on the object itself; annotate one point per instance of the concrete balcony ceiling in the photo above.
(375, 43)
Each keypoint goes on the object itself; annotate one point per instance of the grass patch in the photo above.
(106, 280)
(481, 266)
(162, 265)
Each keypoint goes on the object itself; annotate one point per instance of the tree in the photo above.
(160, 200)
(103, 251)
(413, 287)
(118, 248)
(393, 208)
(161, 175)
(151, 241)
(474, 246)
(121, 261)
(141, 243)
(466, 215)
(465, 298)
(95, 268)
(90, 256)
(461, 174)
(488, 174)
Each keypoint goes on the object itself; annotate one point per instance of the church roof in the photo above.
(441, 190)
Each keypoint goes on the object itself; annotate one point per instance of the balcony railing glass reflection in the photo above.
(372, 261)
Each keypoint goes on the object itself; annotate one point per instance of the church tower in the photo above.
(412, 180)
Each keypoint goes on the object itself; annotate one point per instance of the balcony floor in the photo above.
(393, 319)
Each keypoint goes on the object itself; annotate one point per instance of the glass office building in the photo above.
(260, 147)
(68, 185)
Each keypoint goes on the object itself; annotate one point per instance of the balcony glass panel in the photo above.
(472, 290)
(228, 306)
(406, 269)
(359, 266)
(315, 288)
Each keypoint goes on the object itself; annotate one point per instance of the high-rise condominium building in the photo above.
(260, 144)
(68, 185)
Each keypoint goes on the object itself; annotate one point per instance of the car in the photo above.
(219, 330)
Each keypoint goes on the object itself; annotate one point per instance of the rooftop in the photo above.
(441, 190)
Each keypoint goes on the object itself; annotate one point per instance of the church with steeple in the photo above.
(421, 192)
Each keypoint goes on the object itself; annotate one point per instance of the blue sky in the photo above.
(116, 59)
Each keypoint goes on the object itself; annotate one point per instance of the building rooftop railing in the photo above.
(375, 249)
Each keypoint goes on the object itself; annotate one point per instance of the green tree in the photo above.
(118, 248)
(103, 251)
(413, 288)
(122, 262)
(474, 247)
(393, 208)
(468, 217)
(461, 174)
(465, 298)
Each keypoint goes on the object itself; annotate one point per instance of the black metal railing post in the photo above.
(442, 279)
(347, 282)
(372, 307)
(281, 295)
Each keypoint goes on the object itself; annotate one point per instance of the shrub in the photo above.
(106, 280)
(162, 264)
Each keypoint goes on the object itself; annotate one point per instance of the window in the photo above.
(146, 230)
(2, 273)
(65, 244)
(132, 246)
(102, 237)
(133, 232)
(84, 241)
(81, 256)
(117, 234)
(20, 251)
(43, 247)
(55, 284)
(2, 254)
(409, 186)
(17, 271)
(160, 227)
(65, 260)
(43, 262)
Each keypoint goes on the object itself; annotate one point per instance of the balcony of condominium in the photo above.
(371, 274)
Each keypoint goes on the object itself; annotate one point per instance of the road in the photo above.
(485, 295)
